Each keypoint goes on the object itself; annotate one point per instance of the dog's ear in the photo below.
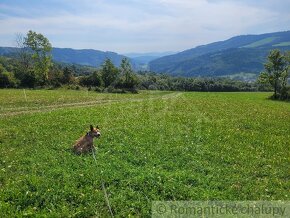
(97, 127)
(91, 127)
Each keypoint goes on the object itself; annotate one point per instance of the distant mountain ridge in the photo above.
(149, 54)
(142, 59)
(89, 57)
(240, 54)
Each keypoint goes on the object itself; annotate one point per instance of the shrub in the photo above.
(8, 80)
(98, 89)
(152, 87)
(74, 87)
(111, 89)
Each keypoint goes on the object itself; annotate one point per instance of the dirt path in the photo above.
(48, 108)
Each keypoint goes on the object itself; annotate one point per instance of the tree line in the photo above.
(110, 78)
(32, 67)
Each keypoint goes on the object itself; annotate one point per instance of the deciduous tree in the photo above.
(40, 47)
(109, 73)
(127, 78)
(276, 72)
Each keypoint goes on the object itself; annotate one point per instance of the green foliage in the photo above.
(9, 64)
(28, 79)
(127, 78)
(154, 146)
(112, 79)
(277, 73)
(2, 69)
(30, 62)
(23, 55)
(67, 75)
(95, 79)
(153, 81)
(7, 79)
(109, 73)
(24, 74)
(56, 77)
(41, 48)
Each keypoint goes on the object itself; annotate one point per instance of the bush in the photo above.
(111, 89)
(152, 87)
(133, 90)
(98, 89)
(74, 87)
(27, 79)
(8, 80)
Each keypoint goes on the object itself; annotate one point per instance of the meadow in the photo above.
(154, 146)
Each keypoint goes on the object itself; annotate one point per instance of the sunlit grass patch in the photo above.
(154, 146)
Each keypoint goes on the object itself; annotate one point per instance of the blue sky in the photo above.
(127, 26)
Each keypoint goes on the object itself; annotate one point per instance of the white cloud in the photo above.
(133, 25)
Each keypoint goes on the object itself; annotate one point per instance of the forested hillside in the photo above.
(87, 57)
(240, 54)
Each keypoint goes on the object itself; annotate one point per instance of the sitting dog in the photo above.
(85, 143)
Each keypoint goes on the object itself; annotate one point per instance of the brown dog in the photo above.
(85, 143)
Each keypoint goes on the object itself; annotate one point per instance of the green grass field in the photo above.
(154, 146)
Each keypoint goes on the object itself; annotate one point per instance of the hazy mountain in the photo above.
(7, 51)
(149, 54)
(240, 54)
(145, 58)
(88, 57)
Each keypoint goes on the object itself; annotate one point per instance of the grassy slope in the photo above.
(160, 146)
(283, 44)
(260, 42)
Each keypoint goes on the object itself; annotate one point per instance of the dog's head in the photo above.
(95, 132)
